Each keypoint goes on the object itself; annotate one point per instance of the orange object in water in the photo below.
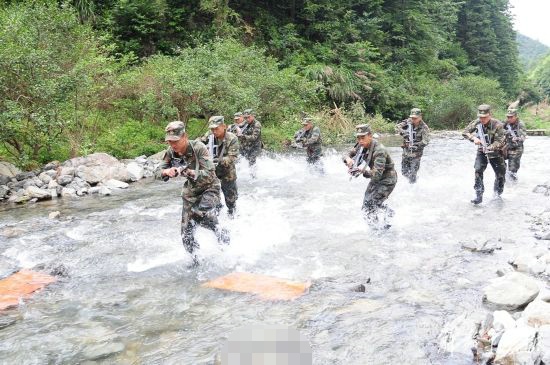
(267, 287)
(21, 285)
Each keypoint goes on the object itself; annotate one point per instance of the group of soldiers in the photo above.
(208, 163)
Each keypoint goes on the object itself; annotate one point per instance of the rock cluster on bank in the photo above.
(98, 173)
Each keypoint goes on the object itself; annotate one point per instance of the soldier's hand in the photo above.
(515, 139)
(477, 140)
(171, 172)
(349, 162)
(190, 173)
(216, 160)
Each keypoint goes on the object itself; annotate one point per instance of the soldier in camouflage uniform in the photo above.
(413, 150)
(379, 168)
(250, 137)
(224, 146)
(201, 189)
(494, 138)
(238, 121)
(309, 137)
(515, 136)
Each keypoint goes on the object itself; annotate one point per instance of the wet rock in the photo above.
(37, 193)
(104, 191)
(4, 180)
(59, 270)
(51, 173)
(142, 160)
(135, 171)
(19, 197)
(540, 189)
(8, 169)
(544, 236)
(511, 291)
(54, 215)
(359, 288)
(6, 321)
(4, 191)
(101, 351)
(24, 176)
(53, 184)
(51, 166)
(523, 263)
(93, 174)
(543, 344)
(115, 184)
(99, 167)
(517, 346)
(66, 170)
(537, 314)
(45, 178)
(458, 335)
(64, 179)
(94, 190)
(68, 192)
(488, 246)
(11, 232)
(502, 320)
(503, 270)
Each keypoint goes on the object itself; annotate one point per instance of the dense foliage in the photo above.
(530, 51)
(83, 75)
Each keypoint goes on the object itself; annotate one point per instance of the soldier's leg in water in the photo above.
(415, 166)
(230, 193)
(188, 228)
(479, 167)
(514, 163)
(499, 167)
(405, 165)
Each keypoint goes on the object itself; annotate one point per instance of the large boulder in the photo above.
(135, 171)
(40, 194)
(511, 291)
(64, 179)
(115, 184)
(157, 156)
(543, 344)
(4, 180)
(537, 313)
(7, 169)
(45, 178)
(25, 175)
(4, 191)
(517, 346)
(98, 167)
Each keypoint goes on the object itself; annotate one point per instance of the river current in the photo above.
(128, 284)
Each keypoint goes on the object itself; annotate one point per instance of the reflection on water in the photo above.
(129, 297)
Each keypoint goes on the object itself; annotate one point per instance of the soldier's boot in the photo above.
(223, 236)
(478, 199)
(513, 176)
(231, 211)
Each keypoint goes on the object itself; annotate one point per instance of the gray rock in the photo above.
(101, 351)
(51, 166)
(537, 314)
(6, 321)
(64, 179)
(457, 336)
(115, 184)
(54, 193)
(488, 246)
(66, 170)
(540, 189)
(37, 193)
(135, 171)
(51, 173)
(502, 320)
(53, 184)
(4, 191)
(54, 215)
(100, 165)
(523, 263)
(517, 346)
(92, 174)
(511, 291)
(19, 197)
(68, 192)
(142, 160)
(27, 183)
(11, 232)
(543, 344)
(94, 190)
(8, 169)
(25, 176)
(4, 180)
(157, 156)
(103, 190)
(78, 184)
(45, 178)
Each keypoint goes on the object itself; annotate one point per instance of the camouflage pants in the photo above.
(198, 209)
(514, 159)
(499, 167)
(377, 192)
(230, 193)
(251, 155)
(410, 165)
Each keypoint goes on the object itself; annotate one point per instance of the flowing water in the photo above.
(128, 284)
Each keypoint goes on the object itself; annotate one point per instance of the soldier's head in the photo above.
(416, 116)
(217, 126)
(364, 135)
(484, 113)
(512, 116)
(238, 118)
(249, 115)
(176, 136)
(307, 122)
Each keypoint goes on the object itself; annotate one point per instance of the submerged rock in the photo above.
(511, 291)
(115, 184)
(517, 346)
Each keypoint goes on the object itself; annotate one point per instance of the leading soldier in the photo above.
(416, 136)
(309, 137)
(378, 167)
(250, 137)
(201, 188)
(488, 134)
(515, 136)
(224, 147)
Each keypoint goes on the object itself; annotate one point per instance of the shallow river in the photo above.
(128, 283)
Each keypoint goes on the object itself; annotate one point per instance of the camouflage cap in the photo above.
(483, 110)
(174, 131)
(248, 112)
(215, 121)
(307, 120)
(512, 112)
(362, 130)
(415, 113)
(237, 115)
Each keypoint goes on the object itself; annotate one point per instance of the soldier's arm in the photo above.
(204, 139)
(379, 166)
(500, 138)
(400, 126)
(164, 164)
(256, 130)
(232, 151)
(522, 132)
(469, 131)
(425, 136)
(207, 170)
(315, 135)
(350, 154)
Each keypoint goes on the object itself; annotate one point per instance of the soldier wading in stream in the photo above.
(515, 136)
(416, 136)
(309, 137)
(371, 159)
(201, 188)
(250, 138)
(488, 134)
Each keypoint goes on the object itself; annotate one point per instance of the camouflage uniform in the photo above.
(514, 149)
(410, 162)
(496, 140)
(381, 172)
(201, 195)
(227, 151)
(235, 127)
(311, 140)
(251, 139)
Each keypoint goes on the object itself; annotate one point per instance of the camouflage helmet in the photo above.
(174, 131)
(512, 112)
(362, 130)
(483, 110)
(237, 115)
(248, 112)
(215, 121)
(307, 120)
(415, 113)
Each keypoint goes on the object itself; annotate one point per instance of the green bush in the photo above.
(131, 139)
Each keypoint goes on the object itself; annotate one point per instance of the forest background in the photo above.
(82, 76)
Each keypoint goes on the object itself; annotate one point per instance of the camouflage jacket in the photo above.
(227, 151)
(421, 134)
(493, 130)
(311, 139)
(520, 131)
(378, 160)
(251, 138)
(233, 128)
(198, 159)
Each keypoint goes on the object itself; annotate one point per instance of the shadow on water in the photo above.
(129, 297)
